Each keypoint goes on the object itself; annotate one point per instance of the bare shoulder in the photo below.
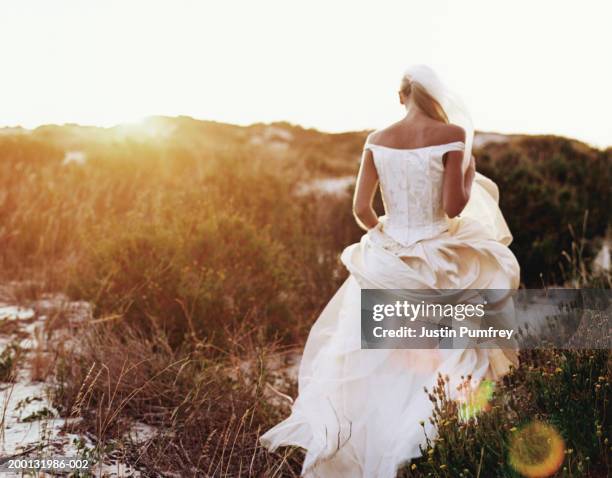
(407, 135)
(392, 134)
(372, 136)
(382, 134)
(450, 133)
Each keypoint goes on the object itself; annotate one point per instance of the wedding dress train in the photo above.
(358, 412)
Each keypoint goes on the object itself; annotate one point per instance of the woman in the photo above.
(358, 412)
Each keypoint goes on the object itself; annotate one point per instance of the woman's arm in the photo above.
(457, 186)
(367, 181)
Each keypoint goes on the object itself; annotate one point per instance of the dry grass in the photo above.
(198, 256)
(41, 360)
(207, 409)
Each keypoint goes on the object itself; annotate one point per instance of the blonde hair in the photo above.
(423, 99)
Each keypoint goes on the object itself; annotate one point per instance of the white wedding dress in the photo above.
(358, 411)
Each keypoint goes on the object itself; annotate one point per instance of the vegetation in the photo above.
(552, 413)
(547, 184)
(8, 356)
(205, 264)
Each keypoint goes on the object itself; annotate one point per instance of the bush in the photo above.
(563, 395)
(198, 275)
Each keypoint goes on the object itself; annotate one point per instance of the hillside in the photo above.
(547, 183)
(158, 280)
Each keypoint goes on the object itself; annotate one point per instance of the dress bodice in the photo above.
(411, 185)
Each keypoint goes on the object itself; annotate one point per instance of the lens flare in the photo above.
(536, 450)
(475, 401)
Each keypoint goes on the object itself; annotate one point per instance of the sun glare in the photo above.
(145, 128)
(536, 450)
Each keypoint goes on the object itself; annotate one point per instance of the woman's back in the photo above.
(409, 161)
(417, 133)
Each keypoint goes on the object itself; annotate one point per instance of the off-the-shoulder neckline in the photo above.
(415, 149)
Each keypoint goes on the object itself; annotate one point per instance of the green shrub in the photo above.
(568, 391)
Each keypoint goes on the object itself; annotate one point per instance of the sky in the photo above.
(522, 66)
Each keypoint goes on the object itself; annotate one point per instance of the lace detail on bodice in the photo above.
(411, 185)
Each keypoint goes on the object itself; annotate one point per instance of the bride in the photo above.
(359, 411)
